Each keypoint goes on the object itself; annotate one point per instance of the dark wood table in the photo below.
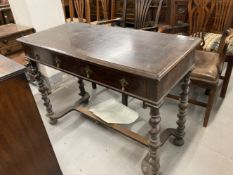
(25, 148)
(144, 65)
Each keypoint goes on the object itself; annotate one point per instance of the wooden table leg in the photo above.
(43, 90)
(82, 90)
(150, 164)
(180, 131)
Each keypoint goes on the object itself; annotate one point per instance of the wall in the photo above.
(41, 15)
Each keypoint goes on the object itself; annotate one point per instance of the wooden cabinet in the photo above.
(9, 34)
(25, 148)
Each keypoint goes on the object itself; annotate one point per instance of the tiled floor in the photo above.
(85, 148)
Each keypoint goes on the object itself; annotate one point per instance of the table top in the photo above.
(9, 29)
(143, 53)
(9, 68)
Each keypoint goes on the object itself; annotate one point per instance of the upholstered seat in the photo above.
(206, 66)
(212, 41)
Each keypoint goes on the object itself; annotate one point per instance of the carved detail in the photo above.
(179, 141)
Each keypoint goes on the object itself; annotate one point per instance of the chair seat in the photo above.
(75, 20)
(212, 41)
(206, 66)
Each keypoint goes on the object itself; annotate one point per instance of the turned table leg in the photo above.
(43, 90)
(151, 165)
(180, 131)
(82, 89)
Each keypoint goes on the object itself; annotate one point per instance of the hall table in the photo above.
(144, 65)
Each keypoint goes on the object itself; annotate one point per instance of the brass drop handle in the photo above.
(123, 83)
(58, 62)
(88, 72)
(37, 57)
(5, 41)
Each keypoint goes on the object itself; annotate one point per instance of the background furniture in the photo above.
(9, 33)
(25, 148)
(209, 64)
(220, 22)
(6, 15)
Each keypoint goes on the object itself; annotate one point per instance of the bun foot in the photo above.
(53, 121)
(178, 142)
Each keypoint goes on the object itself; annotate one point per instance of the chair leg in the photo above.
(209, 107)
(226, 78)
(93, 86)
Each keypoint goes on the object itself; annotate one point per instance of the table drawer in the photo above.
(110, 77)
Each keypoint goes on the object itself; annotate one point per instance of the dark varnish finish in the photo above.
(140, 64)
(25, 148)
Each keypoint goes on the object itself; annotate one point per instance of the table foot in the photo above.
(178, 142)
(146, 166)
(52, 121)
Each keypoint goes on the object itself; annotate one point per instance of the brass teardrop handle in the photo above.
(88, 72)
(5, 41)
(58, 62)
(37, 57)
(123, 83)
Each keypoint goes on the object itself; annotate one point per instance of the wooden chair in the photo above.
(82, 9)
(141, 14)
(214, 36)
(208, 64)
(113, 21)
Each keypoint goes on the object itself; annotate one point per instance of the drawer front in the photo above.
(9, 44)
(112, 78)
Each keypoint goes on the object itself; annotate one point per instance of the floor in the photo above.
(85, 148)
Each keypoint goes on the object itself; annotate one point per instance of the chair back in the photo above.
(105, 9)
(222, 17)
(199, 14)
(141, 11)
(81, 7)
